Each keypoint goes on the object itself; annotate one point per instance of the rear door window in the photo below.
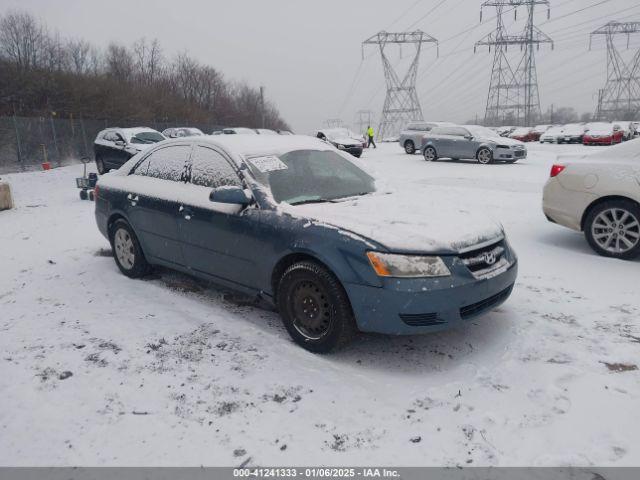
(209, 168)
(167, 163)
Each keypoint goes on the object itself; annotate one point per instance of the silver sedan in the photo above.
(471, 142)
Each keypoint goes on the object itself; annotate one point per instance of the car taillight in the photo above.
(96, 190)
(557, 170)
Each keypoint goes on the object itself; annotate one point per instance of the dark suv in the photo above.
(113, 147)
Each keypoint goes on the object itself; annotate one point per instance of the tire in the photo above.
(100, 166)
(409, 147)
(315, 308)
(83, 195)
(127, 251)
(484, 156)
(430, 154)
(612, 229)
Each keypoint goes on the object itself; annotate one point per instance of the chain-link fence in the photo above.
(28, 142)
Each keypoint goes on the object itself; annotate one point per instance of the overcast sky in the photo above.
(308, 54)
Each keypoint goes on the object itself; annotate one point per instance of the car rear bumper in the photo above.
(565, 207)
(402, 307)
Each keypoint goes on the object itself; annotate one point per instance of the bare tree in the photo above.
(119, 62)
(22, 40)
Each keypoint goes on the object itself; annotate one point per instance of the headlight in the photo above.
(407, 266)
(340, 147)
(502, 146)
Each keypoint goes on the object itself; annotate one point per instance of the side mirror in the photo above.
(120, 143)
(468, 137)
(231, 195)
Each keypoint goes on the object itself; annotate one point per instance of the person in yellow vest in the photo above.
(370, 134)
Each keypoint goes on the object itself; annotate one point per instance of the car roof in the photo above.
(243, 146)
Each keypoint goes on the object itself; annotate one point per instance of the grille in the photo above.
(486, 260)
(484, 305)
(421, 319)
(519, 153)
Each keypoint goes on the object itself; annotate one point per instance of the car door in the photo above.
(467, 144)
(447, 143)
(106, 149)
(154, 203)
(218, 240)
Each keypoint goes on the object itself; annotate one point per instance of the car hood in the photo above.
(404, 223)
(346, 141)
(599, 132)
(512, 142)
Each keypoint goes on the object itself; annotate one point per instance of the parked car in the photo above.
(524, 134)
(553, 134)
(636, 129)
(538, 130)
(601, 133)
(284, 132)
(505, 131)
(599, 195)
(471, 141)
(266, 131)
(182, 132)
(628, 128)
(411, 137)
(113, 147)
(343, 139)
(572, 133)
(295, 222)
(238, 131)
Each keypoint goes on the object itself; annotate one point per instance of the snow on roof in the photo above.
(253, 145)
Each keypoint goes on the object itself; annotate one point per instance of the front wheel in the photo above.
(485, 156)
(613, 229)
(430, 154)
(315, 308)
(127, 251)
(409, 147)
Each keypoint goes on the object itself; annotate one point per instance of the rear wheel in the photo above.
(127, 252)
(484, 156)
(409, 147)
(430, 154)
(315, 308)
(613, 229)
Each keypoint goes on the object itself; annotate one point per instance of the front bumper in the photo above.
(509, 153)
(415, 306)
(598, 140)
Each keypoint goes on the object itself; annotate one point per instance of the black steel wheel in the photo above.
(315, 308)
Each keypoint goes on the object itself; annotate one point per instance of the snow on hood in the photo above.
(404, 223)
(506, 141)
(346, 141)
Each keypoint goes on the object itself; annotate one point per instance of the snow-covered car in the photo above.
(295, 222)
(284, 132)
(266, 131)
(471, 142)
(628, 128)
(343, 139)
(553, 134)
(179, 132)
(538, 130)
(572, 133)
(237, 131)
(524, 134)
(411, 137)
(599, 194)
(602, 133)
(113, 147)
(505, 131)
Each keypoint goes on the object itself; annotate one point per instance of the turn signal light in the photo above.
(557, 170)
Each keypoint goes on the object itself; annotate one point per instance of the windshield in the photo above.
(521, 131)
(574, 129)
(599, 127)
(554, 131)
(310, 176)
(337, 133)
(147, 137)
(478, 131)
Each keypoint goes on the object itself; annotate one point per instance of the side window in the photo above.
(166, 164)
(210, 169)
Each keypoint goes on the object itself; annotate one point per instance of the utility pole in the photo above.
(262, 106)
(401, 104)
(514, 92)
(620, 98)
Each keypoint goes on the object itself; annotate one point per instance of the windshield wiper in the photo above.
(314, 200)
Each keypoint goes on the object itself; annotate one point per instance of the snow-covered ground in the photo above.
(97, 369)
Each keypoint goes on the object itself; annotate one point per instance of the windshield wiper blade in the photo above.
(313, 200)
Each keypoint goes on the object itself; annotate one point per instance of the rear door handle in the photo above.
(186, 212)
(133, 199)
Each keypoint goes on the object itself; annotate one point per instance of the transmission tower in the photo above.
(513, 93)
(363, 120)
(401, 104)
(620, 98)
(333, 123)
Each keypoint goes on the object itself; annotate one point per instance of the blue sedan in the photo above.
(296, 222)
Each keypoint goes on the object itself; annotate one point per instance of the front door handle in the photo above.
(186, 212)
(133, 199)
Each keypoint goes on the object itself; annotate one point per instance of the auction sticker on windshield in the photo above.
(268, 164)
